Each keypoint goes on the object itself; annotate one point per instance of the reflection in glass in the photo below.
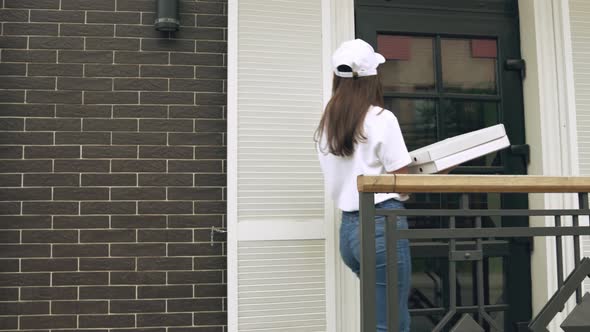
(410, 63)
(469, 65)
(417, 119)
(462, 116)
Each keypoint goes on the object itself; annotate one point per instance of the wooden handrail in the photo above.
(411, 183)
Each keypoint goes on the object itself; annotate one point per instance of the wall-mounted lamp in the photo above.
(167, 16)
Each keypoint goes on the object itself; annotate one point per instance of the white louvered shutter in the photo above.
(580, 30)
(281, 260)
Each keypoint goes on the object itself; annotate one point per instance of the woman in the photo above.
(356, 135)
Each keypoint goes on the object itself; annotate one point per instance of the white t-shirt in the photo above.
(383, 150)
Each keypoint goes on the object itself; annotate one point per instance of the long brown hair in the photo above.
(345, 113)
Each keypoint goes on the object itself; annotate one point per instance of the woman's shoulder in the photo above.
(379, 115)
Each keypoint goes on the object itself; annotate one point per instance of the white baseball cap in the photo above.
(359, 56)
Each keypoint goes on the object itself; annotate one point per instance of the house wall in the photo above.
(113, 166)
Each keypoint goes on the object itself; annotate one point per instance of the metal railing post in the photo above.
(368, 261)
(392, 290)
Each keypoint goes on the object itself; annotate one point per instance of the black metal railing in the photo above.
(451, 311)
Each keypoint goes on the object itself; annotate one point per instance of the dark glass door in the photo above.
(446, 74)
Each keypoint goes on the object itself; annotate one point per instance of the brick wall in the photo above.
(112, 174)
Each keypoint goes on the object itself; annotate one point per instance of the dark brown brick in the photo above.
(25, 166)
(25, 194)
(164, 264)
(150, 235)
(57, 16)
(30, 29)
(218, 180)
(83, 111)
(46, 236)
(168, 71)
(167, 45)
(172, 207)
(113, 17)
(11, 152)
(138, 222)
(211, 290)
(204, 139)
(8, 294)
(131, 250)
(107, 321)
(80, 250)
(195, 166)
(8, 124)
(114, 44)
(139, 194)
(164, 319)
(27, 110)
(200, 33)
(24, 308)
(112, 70)
(138, 278)
(54, 152)
(109, 125)
(138, 306)
(137, 111)
(195, 221)
(163, 292)
(14, 15)
(204, 235)
(85, 138)
(165, 125)
(12, 96)
(109, 152)
(9, 322)
(49, 265)
(52, 322)
(105, 5)
(13, 69)
(32, 4)
(65, 124)
(196, 85)
(9, 237)
(51, 180)
(10, 180)
(48, 293)
(8, 208)
(85, 57)
(87, 30)
(172, 98)
(141, 84)
(211, 72)
(141, 58)
(81, 166)
(135, 5)
(108, 207)
(210, 318)
(111, 98)
(194, 193)
(8, 42)
(184, 305)
(107, 235)
(79, 307)
(217, 21)
(138, 166)
(210, 153)
(56, 97)
(24, 279)
(24, 222)
(64, 222)
(80, 194)
(109, 180)
(139, 31)
(54, 70)
(216, 8)
(165, 152)
(8, 265)
(27, 138)
(210, 207)
(56, 43)
(194, 249)
(196, 59)
(211, 98)
(50, 208)
(86, 84)
(107, 264)
(111, 292)
(210, 263)
(140, 138)
(80, 278)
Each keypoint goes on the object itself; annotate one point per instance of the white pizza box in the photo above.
(441, 164)
(456, 144)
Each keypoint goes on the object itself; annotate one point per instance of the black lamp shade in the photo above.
(167, 17)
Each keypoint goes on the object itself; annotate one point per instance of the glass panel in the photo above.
(462, 116)
(417, 119)
(469, 65)
(410, 63)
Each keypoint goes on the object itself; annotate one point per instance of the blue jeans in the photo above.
(350, 252)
